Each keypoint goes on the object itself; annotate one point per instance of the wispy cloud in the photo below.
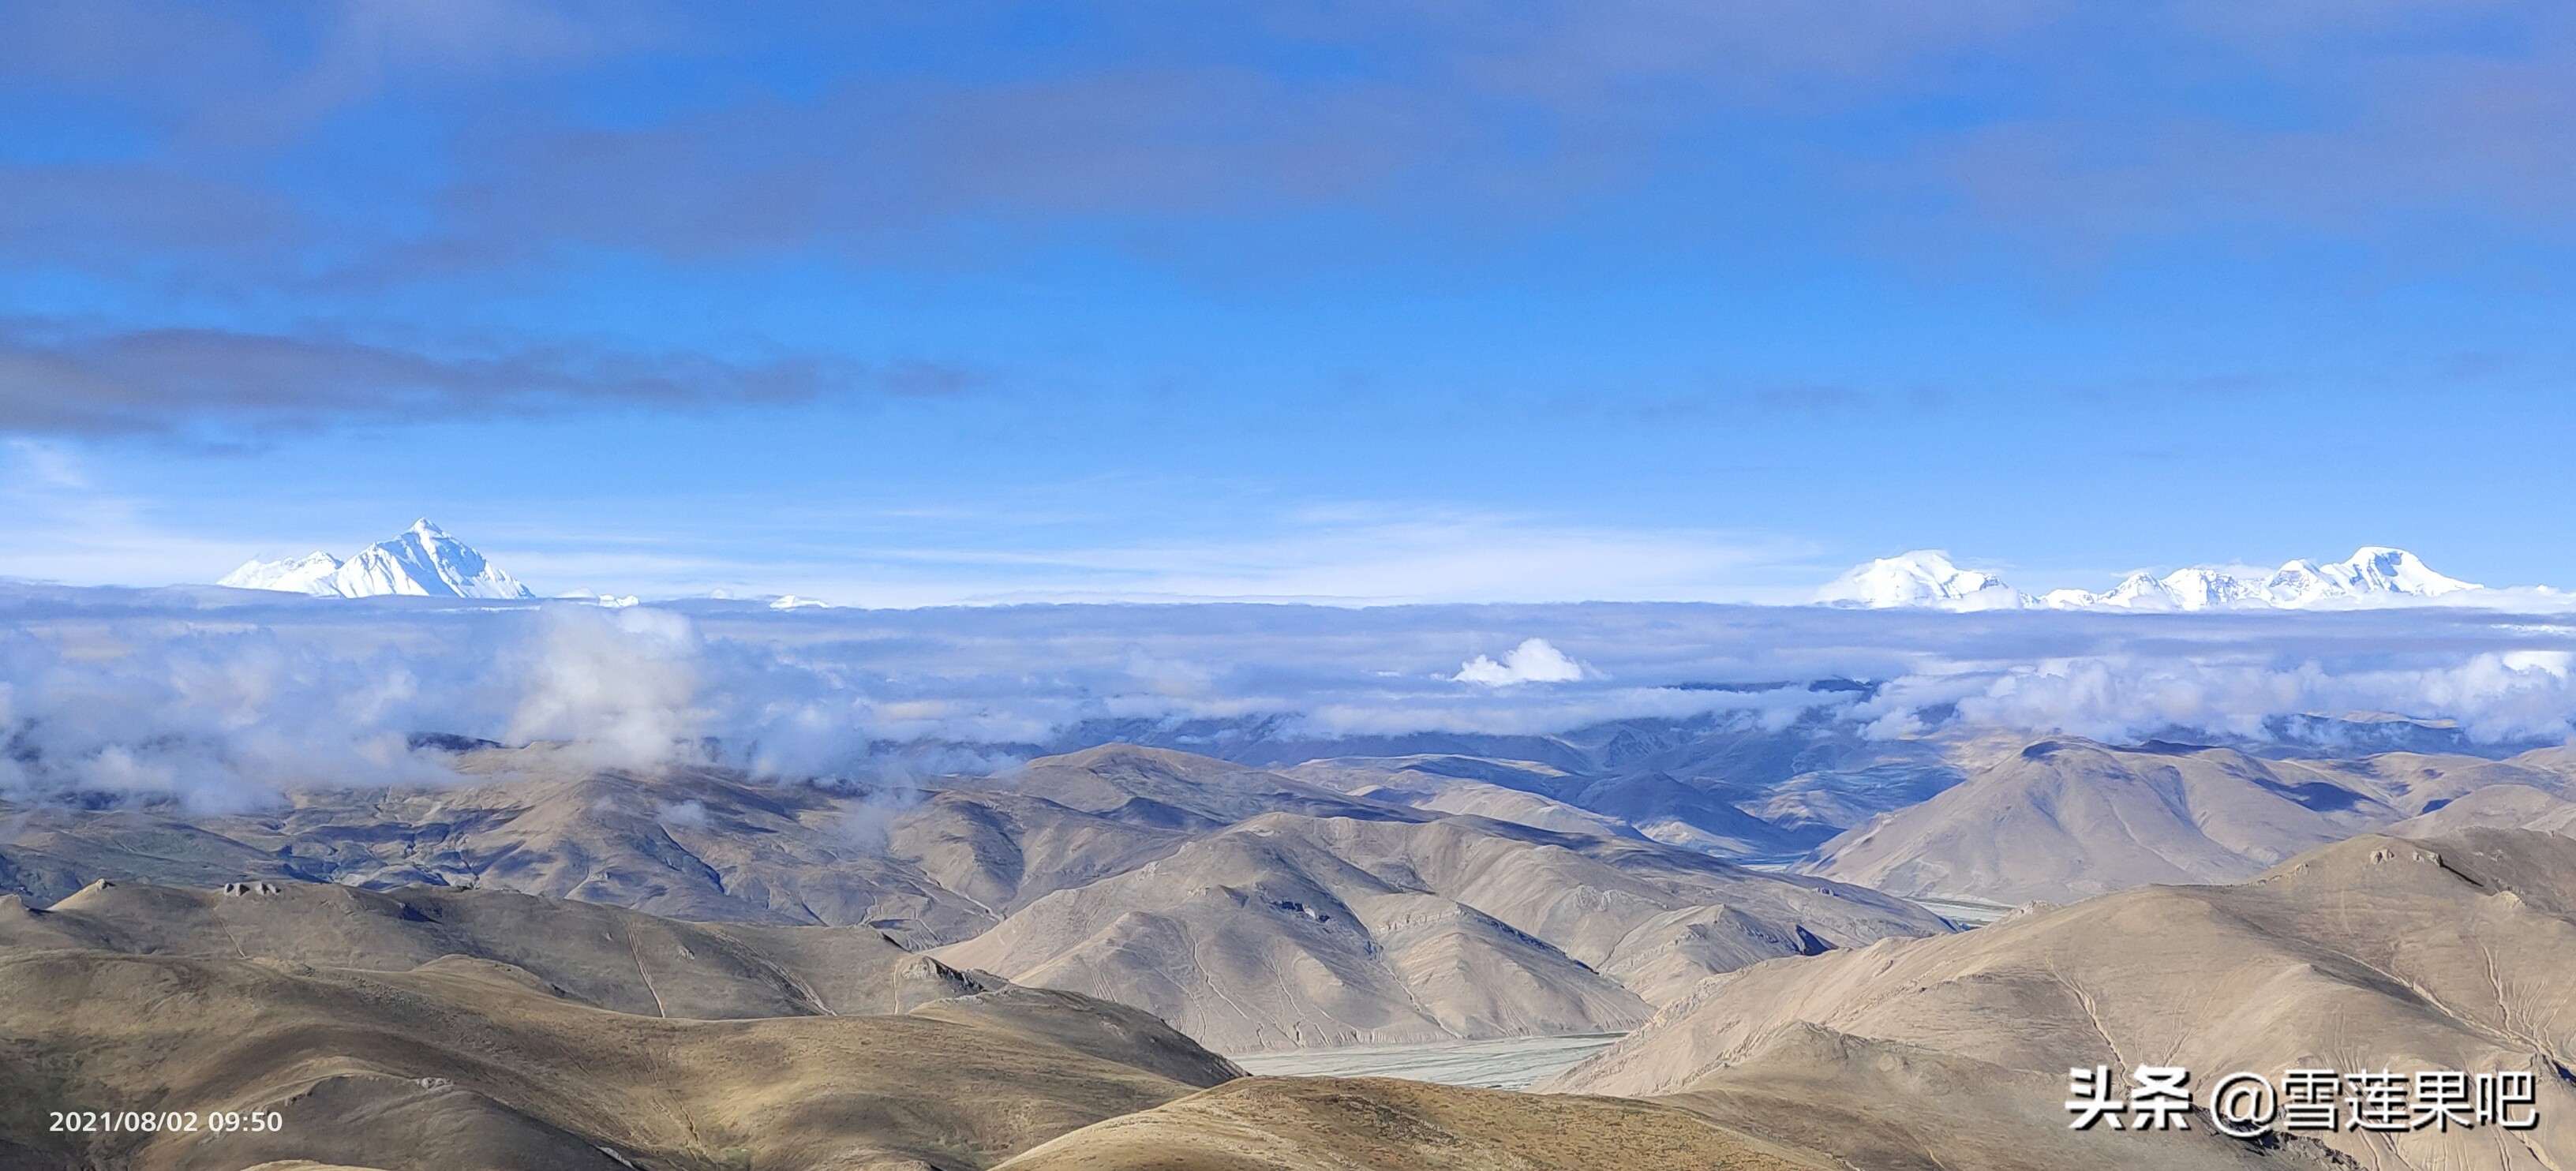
(55, 379)
(1352, 554)
(66, 525)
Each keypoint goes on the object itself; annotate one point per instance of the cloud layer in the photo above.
(222, 699)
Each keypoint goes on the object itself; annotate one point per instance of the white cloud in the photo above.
(620, 686)
(1534, 661)
(221, 699)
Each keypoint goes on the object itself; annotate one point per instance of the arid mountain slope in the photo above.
(1357, 919)
(604, 956)
(1260, 939)
(1157, 785)
(2501, 807)
(1288, 930)
(1378, 1124)
(48, 851)
(700, 844)
(469, 1062)
(1002, 850)
(2066, 819)
(686, 843)
(2450, 953)
(1702, 812)
(1428, 784)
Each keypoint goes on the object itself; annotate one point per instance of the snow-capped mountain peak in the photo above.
(2375, 569)
(2373, 575)
(2200, 587)
(423, 562)
(2197, 587)
(1925, 578)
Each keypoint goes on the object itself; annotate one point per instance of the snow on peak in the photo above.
(309, 574)
(2374, 575)
(2197, 587)
(423, 562)
(2376, 569)
(1923, 578)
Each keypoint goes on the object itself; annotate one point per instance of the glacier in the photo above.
(422, 562)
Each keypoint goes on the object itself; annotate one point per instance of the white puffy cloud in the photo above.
(1534, 661)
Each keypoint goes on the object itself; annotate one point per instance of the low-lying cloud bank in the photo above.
(222, 698)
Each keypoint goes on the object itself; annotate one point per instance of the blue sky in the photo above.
(896, 303)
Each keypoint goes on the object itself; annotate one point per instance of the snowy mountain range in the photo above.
(423, 562)
(2372, 575)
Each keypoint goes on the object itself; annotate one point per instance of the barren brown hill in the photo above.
(2065, 819)
(2450, 953)
(1405, 781)
(47, 852)
(688, 843)
(2499, 807)
(691, 843)
(697, 844)
(1696, 809)
(1160, 786)
(1287, 930)
(1360, 920)
(1002, 850)
(465, 1062)
(1379, 1124)
(605, 956)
